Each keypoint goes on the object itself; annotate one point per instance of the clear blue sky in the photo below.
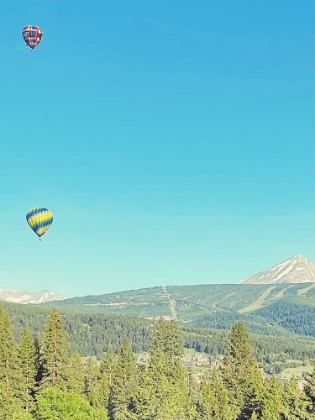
(172, 140)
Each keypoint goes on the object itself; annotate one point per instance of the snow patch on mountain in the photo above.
(296, 269)
(21, 296)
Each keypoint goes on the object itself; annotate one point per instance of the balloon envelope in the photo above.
(39, 220)
(32, 35)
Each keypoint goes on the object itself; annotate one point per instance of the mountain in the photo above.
(20, 296)
(277, 301)
(266, 306)
(211, 306)
(296, 269)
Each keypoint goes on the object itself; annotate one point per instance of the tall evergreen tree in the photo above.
(294, 407)
(108, 364)
(241, 375)
(91, 377)
(309, 390)
(55, 352)
(213, 401)
(40, 367)
(10, 374)
(26, 360)
(158, 336)
(106, 371)
(176, 404)
(124, 385)
(153, 387)
(272, 403)
(96, 386)
(161, 396)
(173, 345)
(205, 403)
(75, 374)
(163, 388)
(167, 336)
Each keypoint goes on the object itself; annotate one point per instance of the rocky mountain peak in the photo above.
(296, 269)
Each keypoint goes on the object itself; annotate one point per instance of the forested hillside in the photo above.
(41, 379)
(213, 306)
(296, 318)
(92, 334)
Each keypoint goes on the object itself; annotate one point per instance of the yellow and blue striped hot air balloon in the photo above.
(39, 220)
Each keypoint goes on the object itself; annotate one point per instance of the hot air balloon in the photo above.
(32, 35)
(39, 220)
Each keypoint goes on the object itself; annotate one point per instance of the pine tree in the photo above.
(96, 386)
(173, 345)
(294, 407)
(163, 388)
(309, 390)
(26, 360)
(155, 391)
(193, 386)
(75, 374)
(241, 375)
(108, 364)
(146, 402)
(177, 403)
(10, 374)
(158, 336)
(55, 352)
(272, 403)
(205, 404)
(40, 366)
(91, 377)
(124, 385)
(106, 371)
(213, 402)
(167, 336)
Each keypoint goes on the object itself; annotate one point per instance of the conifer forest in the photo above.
(43, 378)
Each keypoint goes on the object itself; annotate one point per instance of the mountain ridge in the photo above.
(23, 297)
(294, 270)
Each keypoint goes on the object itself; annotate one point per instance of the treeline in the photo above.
(94, 334)
(214, 342)
(40, 379)
(90, 334)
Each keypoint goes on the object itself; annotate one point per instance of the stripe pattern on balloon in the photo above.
(39, 220)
